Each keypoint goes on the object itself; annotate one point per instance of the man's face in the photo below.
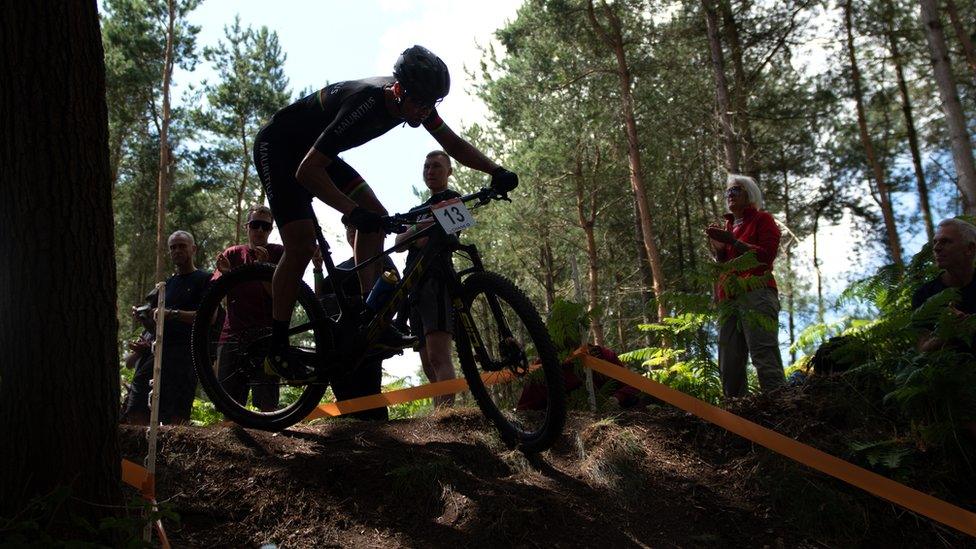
(436, 171)
(950, 249)
(259, 226)
(181, 250)
(414, 112)
(351, 236)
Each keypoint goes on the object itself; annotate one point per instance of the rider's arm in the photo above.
(312, 175)
(462, 151)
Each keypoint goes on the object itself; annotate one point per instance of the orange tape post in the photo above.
(883, 487)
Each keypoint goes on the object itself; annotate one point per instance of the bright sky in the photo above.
(329, 41)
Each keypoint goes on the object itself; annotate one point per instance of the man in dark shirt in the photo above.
(184, 291)
(296, 156)
(954, 248)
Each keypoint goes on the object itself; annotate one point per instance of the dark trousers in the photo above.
(364, 381)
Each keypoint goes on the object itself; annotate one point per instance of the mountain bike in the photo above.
(501, 342)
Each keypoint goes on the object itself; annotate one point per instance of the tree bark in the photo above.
(962, 147)
(967, 45)
(587, 221)
(614, 37)
(884, 195)
(723, 103)
(740, 97)
(816, 267)
(790, 275)
(59, 386)
(906, 109)
(165, 154)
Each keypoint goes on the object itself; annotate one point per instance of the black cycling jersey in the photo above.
(334, 119)
(338, 117)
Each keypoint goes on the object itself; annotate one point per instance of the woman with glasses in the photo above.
(746, 290)
(249, 309)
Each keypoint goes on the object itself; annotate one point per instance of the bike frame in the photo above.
(437, 252)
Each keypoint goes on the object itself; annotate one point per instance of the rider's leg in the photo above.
(298, 238)
(369, 244)
(438, 366)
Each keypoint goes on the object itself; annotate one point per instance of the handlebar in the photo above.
(398, 223)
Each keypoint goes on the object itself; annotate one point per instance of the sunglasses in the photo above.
(733, 191)
(427, 105)
(257, 224)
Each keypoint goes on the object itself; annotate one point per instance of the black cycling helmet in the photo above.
(422, 74)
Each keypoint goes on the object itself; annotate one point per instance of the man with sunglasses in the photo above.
(248, 308)
(296, 156)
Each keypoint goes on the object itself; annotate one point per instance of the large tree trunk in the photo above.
(59, 385)
(906, 109)
(724, 104)
(740, 97)
(962, 147)
(884, 194)
(967, 45)
(614, 37)
(165, 155)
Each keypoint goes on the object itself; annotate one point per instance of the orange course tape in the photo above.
(138, 477)
(401, 396)
(909, 498)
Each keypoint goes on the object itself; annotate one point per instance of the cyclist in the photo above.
(296, 156)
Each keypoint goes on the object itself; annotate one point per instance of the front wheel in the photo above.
(510, 363)
(229, 358)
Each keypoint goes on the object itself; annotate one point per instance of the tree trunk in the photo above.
(586, 222)
(816, 268)
(242, 189)
(633, 148)
(962, 147)
(59, 385)
(622, 342)
(740, 98)
(967, 45)
(724, 104)
(646, 279)
(790, 276)
(887, 212)
(165, 153)
(906, 109)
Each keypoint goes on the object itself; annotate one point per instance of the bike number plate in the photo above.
(452, 215)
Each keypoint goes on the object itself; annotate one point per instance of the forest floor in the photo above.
(651, 478)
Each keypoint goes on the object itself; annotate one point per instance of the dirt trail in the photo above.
(656, 478)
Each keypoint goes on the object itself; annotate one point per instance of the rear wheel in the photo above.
(230, 368)
(510, 363)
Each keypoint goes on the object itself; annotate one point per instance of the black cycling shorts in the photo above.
(431, 310)
(290, 201)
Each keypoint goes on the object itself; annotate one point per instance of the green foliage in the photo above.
(406, 410)
(567, 321)
(886, 453)
(50, 521)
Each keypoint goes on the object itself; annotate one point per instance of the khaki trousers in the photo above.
(751, 329)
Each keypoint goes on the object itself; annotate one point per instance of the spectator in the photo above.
(954, 248)
(184, 290)
(749, 323)
(535, 396)
(248, 308)
(430, 312)
(368, 378)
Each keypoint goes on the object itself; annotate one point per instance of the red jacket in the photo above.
(759, 231)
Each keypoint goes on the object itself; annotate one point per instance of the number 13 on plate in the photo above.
(452, 215)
